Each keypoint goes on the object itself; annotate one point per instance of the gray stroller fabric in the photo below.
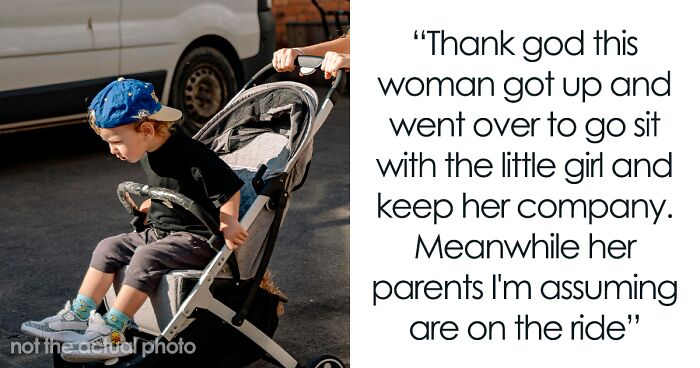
(268, 125)
(275, 111)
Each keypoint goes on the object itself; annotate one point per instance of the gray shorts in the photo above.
(149, 258)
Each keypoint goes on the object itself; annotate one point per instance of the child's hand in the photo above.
(234, 235)
(145, 206)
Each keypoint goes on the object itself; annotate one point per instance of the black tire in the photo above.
(325, 361)
(204, 81)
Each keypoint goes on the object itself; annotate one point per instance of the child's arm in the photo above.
(234, 233)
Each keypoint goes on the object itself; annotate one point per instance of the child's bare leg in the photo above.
(92, 290)
(95, 284)
(129, 300)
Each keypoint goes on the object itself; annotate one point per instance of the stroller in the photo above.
(265, 134)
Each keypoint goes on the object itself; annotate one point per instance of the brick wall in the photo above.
(298, 22)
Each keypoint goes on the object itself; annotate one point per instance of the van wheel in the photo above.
(203, 83)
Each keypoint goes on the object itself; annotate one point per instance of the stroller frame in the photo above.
(273, 193)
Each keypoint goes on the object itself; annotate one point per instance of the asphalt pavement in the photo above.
(57, 200)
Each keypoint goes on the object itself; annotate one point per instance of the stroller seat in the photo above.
(261, 150)
(162, 306)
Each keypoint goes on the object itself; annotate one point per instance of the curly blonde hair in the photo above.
(161, 127)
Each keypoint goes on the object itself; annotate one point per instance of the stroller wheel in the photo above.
(325, 361)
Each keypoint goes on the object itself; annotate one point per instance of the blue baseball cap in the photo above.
(126, 101)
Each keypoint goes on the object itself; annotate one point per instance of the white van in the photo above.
(56, 55)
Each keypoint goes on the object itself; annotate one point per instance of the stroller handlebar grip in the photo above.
(302, 61)
(308, 61)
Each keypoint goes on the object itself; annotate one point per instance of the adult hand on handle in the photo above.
(283, 59)
(334, 61)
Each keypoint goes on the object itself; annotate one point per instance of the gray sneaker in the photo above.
(64, 326)
(99, 343)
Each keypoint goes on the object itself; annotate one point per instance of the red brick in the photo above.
(286, 11)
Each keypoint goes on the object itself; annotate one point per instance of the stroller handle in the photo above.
(167, 196)
(303, 61)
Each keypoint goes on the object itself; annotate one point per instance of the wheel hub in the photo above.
(204, 92)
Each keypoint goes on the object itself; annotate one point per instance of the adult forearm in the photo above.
(340, 45)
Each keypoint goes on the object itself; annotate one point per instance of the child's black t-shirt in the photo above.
(187, 166)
